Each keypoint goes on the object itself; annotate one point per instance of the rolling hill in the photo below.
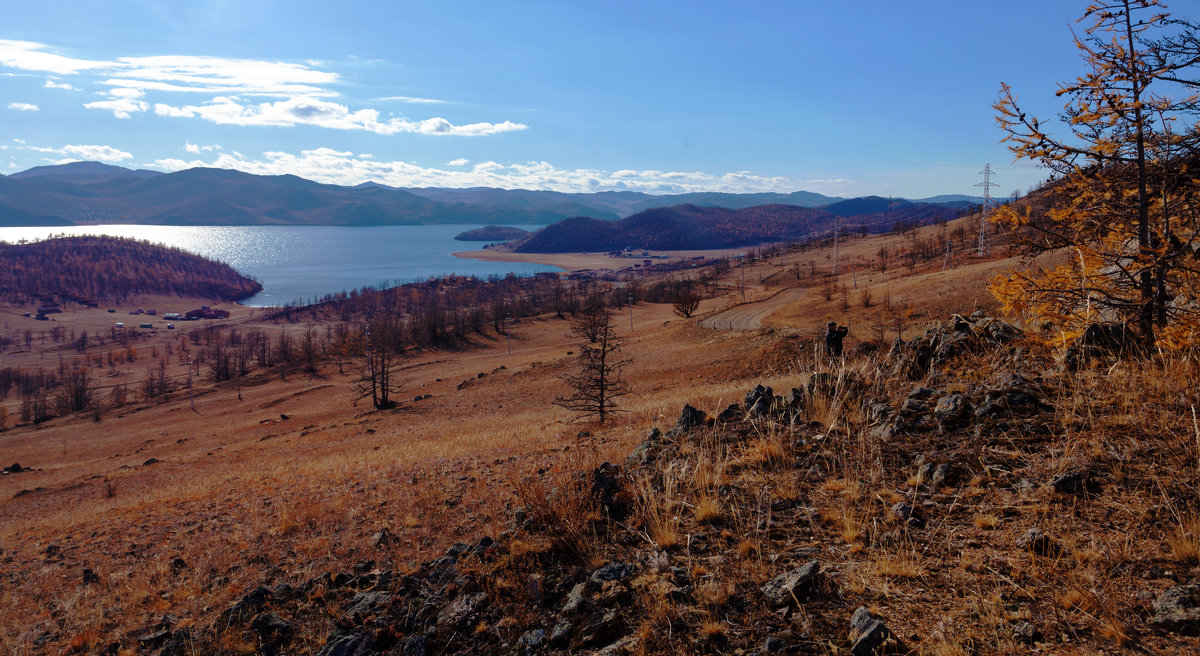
(91, 192)
(692, 227)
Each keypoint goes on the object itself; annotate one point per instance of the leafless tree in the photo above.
(687, 300)
(597, 383)
(381, 353)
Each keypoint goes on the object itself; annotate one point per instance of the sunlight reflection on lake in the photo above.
(299, 263)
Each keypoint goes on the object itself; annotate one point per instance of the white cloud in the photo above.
(30, 56)
(461, 161)
(51, 84)
(197, 149)
(120, 107)
(225, 110)
(303, 87)
(22, 107)
(412, 100)
(20, 141)
(347, 168)
(89, 153)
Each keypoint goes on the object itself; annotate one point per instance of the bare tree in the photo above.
(381, 353)
(687, 300)
(598, 382)
(590, 320)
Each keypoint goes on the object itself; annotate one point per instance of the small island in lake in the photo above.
(492, 233)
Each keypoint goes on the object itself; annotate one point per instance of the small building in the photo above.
(49, 309)
(145, 325)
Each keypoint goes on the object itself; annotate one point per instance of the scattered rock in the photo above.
(792, 586)
(730, 414)
(1178, 610)
(773, 644)
(382, 538)
(610, 572)
(560, 636)
(271, 629)
(177, 565)
(14, 468)
(575, 599)
(1026, 633)
(90, 577)
(352, 644)
(951, 411)
(367, 603)
(871, 637)
(1036, 541)
(1075, 482)
(601, 628)
(155, 639)
(907, 515)
(461, 612)
(531, 642)
(151, 461)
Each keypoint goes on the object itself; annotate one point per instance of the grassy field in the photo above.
(162, 508)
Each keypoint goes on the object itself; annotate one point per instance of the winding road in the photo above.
(750, 315)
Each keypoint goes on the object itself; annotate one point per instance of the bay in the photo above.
(297, 264)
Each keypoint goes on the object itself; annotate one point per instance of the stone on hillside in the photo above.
(1075, 482)
(1026, 633)
(951, 411)
(610, 572)
(531, 642)
(601, 628)
(461, 612)
(732, 413)
(560, 636)
(690, 418)
(351, 644)
(759, 393)
(1178, 610)
(907, 515)
(870, 637)
(792, 585)
(367, 603)
(1036, 541)
(822, 383)
(575, 598)
(626, 645)
(646, 452)
(271, 628)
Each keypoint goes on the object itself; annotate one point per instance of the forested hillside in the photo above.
(100, 268)
(690, 227)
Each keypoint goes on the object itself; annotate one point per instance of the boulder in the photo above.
(461, 612)
(531, 642)
(792, 585)
(1178, 610)
(870, 637)
(351, 644)
(367, 603)
(951, 411)
(1036, 541)
(610, 572)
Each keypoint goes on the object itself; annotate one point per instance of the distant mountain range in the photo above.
(95, 193)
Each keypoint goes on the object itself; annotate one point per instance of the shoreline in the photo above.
(591, 261)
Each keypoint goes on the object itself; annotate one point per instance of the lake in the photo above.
(300, 263)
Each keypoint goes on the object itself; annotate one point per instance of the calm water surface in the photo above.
(300, 263)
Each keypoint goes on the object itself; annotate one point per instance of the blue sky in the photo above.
(847, 99)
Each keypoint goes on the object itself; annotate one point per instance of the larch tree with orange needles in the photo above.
(1127, 200)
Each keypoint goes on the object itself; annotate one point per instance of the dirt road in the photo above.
(751, 315)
